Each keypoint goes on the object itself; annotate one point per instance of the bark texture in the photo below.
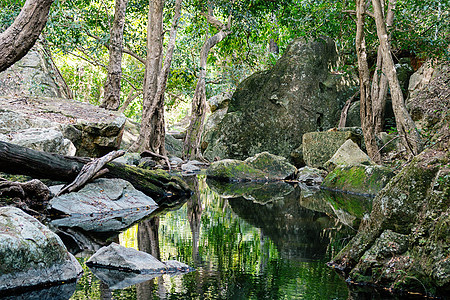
(152, 134)
(365, 89)
(198, 112)
(405, 125)
(18, 39)
(111, 98)
(15, 159)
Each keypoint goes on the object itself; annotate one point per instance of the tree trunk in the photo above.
(152, 134)
(16, 159)
(18, 38)
(380, 81)
(198, 112)
(130, 98)
(405, 125)
(111, 98)
(364, 82)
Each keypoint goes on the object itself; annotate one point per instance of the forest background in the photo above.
(234, 38)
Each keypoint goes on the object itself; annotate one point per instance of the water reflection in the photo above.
(257, 242)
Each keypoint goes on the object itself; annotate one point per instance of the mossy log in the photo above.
(157, 184)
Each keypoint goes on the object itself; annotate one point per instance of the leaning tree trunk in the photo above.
(364, 82)
(111, 98)
(405, 125)
(194, 132)
(380, 83)
(18, 38)
(152, 134)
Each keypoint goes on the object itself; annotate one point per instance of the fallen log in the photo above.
(157, 184)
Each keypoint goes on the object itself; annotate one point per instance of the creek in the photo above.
(251, 241)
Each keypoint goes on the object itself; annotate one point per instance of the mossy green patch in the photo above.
(358, 179)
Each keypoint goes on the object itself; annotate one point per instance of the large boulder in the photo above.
(31, 254)
(105, 205)
(405, 243)
(319, 147)
(271, 110)
(34, 75)
(94, 131)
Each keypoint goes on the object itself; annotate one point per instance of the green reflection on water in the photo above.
(241, 249)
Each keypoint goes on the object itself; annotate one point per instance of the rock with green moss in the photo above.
(319, 147)
(276, 167)
(31, 254)
(234, 170)
(261, 167)
(405, 242)
(358, 179)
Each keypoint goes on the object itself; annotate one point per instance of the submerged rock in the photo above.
(104, 205)
(31, 254)
(358, 179)
(319, 147)
(405, 242)
(271, 110)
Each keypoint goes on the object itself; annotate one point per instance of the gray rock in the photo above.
(174, 146)
(118, 257)
(104, 205)
(319, 147)
(129, 158)
(190, 167)
(175, 161)
(220, 101)
(30, 253)
(94, 131)
(121, 258)
(147, 163)
(33, 75)
(311, 175)
(276, 167)
(271, 110)
(348, 154)
(42, 139)
(354, 116)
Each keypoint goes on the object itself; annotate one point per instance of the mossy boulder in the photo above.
(319, 147)
(276, 167)
(358, 179)
(31, 254)
(261, 167)
(405, 242)
(271, 110)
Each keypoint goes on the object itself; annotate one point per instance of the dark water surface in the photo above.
(254, 242)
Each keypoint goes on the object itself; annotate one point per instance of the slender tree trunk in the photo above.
(111, 98)
(380, 81)
(364, 82)
(199, 106)
(405, 125)
(152, 134)
(18, 39)
(130, 98)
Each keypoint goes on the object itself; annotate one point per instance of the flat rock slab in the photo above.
(94, 131)
(31, 254)
(120, 267)
(104, 205)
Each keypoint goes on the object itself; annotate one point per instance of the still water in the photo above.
(245, 242)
